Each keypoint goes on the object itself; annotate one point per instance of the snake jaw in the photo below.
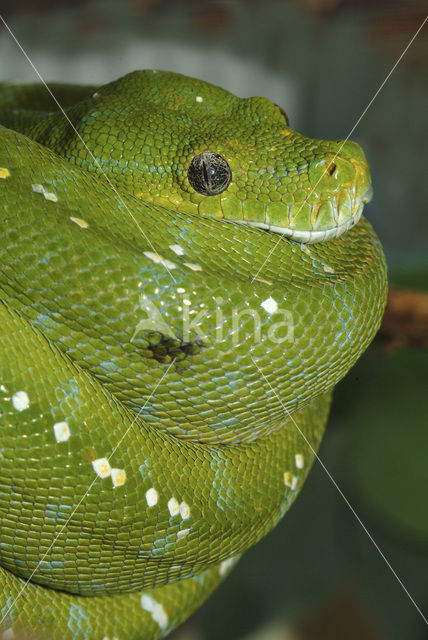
(344, 208)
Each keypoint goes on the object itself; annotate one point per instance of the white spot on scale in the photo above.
(199, 99)
(151, 497)
(81, 223)
(173, 506)
(183, 533)
(184, 510)
(181, 290)
(328, 269)
(148, 603)
(226, 565)
(158, 259)
(102, 467)
(48, 195)
(270, 305)
(118, 477)
(193, 267)
(4, 173)
(300, 461)
(177, 249)
(61, 431)
(3, 388)
(20, 400)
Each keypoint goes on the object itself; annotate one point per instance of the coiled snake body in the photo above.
(178, 299)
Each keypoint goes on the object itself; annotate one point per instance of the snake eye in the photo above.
(209, 173)
(282, 112)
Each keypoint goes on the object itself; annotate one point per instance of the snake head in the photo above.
(194, 147)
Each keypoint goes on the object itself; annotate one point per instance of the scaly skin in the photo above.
(164, 387)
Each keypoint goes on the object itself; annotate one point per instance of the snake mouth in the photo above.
(344, 210)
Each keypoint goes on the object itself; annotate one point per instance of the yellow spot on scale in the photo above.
(184, 510)
(199, 99)
(51, 196)
(82, 223)
(4, 173)
(234, 143)
(173, 506)
(102, 467)
(290, 480)
(89, 454)
(328, 269)
(61, 431)
(20, 400)
(118, 477)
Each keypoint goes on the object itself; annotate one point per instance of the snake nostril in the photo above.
(331, 168)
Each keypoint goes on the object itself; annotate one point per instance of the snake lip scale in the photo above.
(311, 236)
(139, 460)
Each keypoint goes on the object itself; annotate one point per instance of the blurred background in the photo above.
(318, 575)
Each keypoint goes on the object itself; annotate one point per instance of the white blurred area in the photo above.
(89, 65)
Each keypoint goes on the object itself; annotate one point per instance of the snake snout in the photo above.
(331, 173)
(341, 178)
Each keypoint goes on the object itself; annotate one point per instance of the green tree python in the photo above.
(184, 279)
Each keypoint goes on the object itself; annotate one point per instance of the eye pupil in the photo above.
(209, 173)
(204, 168)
